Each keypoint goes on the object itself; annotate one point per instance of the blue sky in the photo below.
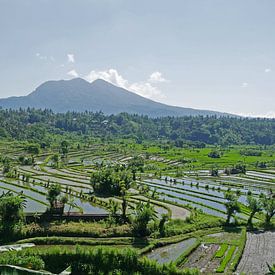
(207, 54)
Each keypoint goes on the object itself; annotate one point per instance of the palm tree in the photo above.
(11, 212)
(113, 207)
(271, 269)
(124, 204)
(255, 206)
(143, 214)
(232, 205)
(164, 219)
(268, 205)
(53, 193)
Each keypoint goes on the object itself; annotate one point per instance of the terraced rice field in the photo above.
(200, 191)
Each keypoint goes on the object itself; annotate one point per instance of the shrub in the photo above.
(31, 262)
(100, 261)
(214, 154)
(250, 152)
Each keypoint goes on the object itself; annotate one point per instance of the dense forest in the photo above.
(37, 125)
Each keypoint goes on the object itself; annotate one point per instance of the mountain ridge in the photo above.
(80, 95)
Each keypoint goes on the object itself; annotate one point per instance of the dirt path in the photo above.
(259, 250)
(177, 212)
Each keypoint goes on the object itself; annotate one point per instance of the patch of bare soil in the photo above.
(201, 258)
(259, 250)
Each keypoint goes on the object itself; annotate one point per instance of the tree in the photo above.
(271, 269)
(113, 208)
(6, 165)
(53, 194)
(57, 202)
(55, 160)
(254, 206)
(124, 203)
(164, 219)
(214, 172)
(64, 147)
(232, 205)
(268, 205)
(143, 214)
(11, 212)
(110, 181)
(214, 154)
(33, 149)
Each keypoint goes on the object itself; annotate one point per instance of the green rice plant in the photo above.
(226, 259)
(220, 253)
(239, 253)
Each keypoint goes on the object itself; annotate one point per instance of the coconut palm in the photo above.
(232, 205)
(254, 206)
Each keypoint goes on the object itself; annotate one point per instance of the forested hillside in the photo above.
(38, 124)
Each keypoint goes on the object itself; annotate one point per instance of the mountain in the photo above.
(79, 95)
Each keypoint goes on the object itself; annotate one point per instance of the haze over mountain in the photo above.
(80, 95)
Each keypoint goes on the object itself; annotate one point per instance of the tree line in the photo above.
(40, 125)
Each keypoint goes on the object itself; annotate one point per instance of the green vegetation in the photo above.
(197, 130)
(11, 214)
(226, 259)
(144, 212)
(268, 204)
(108, 181)
(220, 253)
(92, 261)
(232, 205)
(254, 206)
(79, 181)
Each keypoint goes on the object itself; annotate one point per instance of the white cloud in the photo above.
(73, 73)
(156, 77)
(110, 75)
(267, 70)
(42, 57)
(244, 84)
(145, 89)
(45, 57)
(70, 57)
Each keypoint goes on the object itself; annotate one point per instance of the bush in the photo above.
(31, 262)
(100, 261)
(214, 154)
(250, 152)
(76, 229)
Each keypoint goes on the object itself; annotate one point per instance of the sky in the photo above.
(207, 54)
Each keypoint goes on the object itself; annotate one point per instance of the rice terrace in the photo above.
(137, 137)
(80, 202)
